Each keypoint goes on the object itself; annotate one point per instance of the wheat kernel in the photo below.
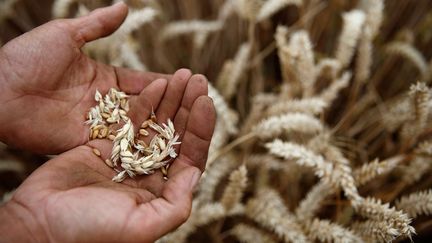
(123, 103)
(111, 120)
(143, 132)
(95, 133)
(106, 115)
(145, 124)
(109, 163)
(111, 137)
(99, 126)
(96, 152)
(161, 143)
(142, 143)
(122, 113)
(103, 132)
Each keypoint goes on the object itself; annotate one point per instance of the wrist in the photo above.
(17, 224)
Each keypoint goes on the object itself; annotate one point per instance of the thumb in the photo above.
(99, 23)
(181, 185)
(168, 212)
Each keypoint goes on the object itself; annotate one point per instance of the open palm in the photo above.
(72, 199)
(48, 84)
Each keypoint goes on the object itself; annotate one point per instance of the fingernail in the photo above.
(195, 179)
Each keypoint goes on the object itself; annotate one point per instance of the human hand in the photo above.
(47, 84)
(71, 198)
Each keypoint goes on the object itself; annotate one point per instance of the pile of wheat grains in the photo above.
(131, 155)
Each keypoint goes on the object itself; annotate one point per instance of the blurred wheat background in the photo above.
(323, 131)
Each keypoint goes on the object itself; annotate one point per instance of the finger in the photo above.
(197, 137)
(173, 95)
(99, 23)
(164, 214)
(133, 82)
(141, 106)
(196, 87)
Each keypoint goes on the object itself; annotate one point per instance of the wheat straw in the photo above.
(411, 54)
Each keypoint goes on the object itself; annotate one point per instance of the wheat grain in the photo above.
(96, 152)
(109, 163)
